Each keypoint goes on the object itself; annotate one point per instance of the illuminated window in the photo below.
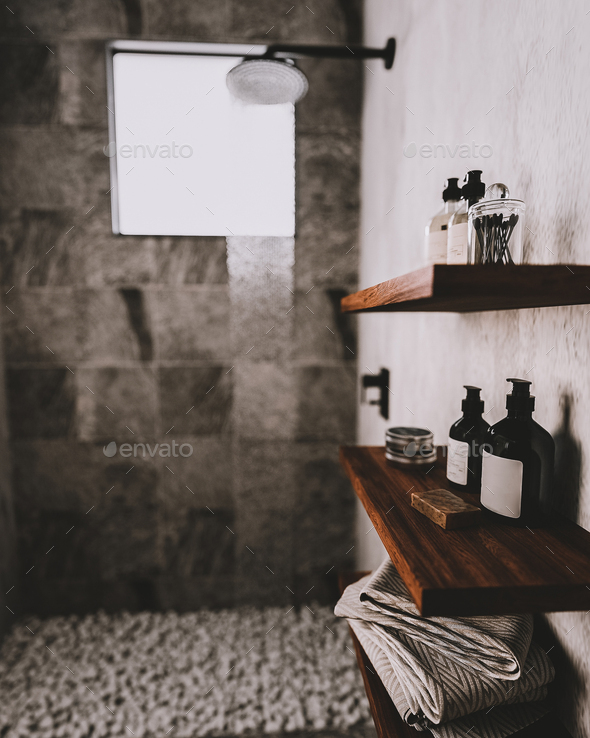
(187, 159)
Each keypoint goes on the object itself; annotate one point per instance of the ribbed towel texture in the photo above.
(474, 676)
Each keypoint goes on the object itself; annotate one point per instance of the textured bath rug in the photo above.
(196, 674)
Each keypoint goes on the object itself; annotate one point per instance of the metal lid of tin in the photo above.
(408, 433)
(416, 460)
(401, 446)
(408, 445)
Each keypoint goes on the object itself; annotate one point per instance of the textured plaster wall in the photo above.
(122, 338)
(513, 76)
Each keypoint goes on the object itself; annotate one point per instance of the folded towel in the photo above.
(440, 669)
(493, 722)
(496, 646)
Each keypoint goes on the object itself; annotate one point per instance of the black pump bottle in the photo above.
(517, 473)
(465, 439)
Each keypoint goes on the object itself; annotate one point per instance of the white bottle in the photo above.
(436, 228)
(457, 245)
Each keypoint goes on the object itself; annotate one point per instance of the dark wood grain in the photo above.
(463, 289)
(388, 722)
(488, 569)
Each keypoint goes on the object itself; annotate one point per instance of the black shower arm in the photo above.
(302, 51)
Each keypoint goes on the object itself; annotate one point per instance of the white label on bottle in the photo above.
(437, 247)
(501, 485)
(457, 244)
(457, 461)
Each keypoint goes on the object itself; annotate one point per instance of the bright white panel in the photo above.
(192, 160)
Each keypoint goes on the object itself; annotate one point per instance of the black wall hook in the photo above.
(381, 381)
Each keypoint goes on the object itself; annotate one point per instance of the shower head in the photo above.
(267, 82)
(273, 78)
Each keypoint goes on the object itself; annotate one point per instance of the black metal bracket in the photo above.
(301, 51)
(381, 381)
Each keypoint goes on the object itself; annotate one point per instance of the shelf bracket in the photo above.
(381, 381)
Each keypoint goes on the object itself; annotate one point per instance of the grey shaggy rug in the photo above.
(196, 674)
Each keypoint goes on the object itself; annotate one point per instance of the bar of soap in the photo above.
(446, 509)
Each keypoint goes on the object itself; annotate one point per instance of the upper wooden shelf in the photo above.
(488, 569)
(465, 289)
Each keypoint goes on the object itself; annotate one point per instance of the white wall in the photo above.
(513, 76)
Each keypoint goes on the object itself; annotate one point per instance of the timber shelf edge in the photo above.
(488, 569)
(469, 288)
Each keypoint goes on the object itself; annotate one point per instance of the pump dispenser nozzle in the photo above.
(452, 191)
(473, 189)
(472, 402)
(520, 399)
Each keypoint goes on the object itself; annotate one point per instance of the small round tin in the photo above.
(410, 446)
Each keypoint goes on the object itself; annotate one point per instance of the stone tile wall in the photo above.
(129, 339)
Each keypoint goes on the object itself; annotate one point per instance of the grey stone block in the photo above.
(40, 402)
(28, 83)
(82, 83)
(265, 401)
(335, 97)
(116, 326)
(66, 247)
(198, 543)
(44, 325)
(104, 259)
(324, 521)
(56, 544)
(261, 291)
(72, 477)
(78, 18)
(327, 403)
(265, 476)
(189, 594)
(55, 475)
(115, 403)
(264, 556)
(36, 248)
(192, 323)
(53, 167)
(182, 261)
(68, 326)
(65, 596)
(328, 210)
(196, 400)
(127, 543)
(203, 478)
(322, 332)
(328, 22)
(204, 20)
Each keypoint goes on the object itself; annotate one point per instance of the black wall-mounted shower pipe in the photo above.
(258, 51)
(302, 51)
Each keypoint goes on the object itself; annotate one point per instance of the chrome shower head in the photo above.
(267, 82)
(273, 78)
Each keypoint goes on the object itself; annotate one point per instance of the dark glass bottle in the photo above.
(465, 439)
(517, 476)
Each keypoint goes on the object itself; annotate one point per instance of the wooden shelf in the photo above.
(465, 289)
(487, 569)
(388, 722)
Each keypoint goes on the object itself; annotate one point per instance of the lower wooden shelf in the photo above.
(388, 722)
(489, 569)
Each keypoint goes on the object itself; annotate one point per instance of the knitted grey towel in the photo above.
(493, 722)
(494, 645)
(440, 669)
